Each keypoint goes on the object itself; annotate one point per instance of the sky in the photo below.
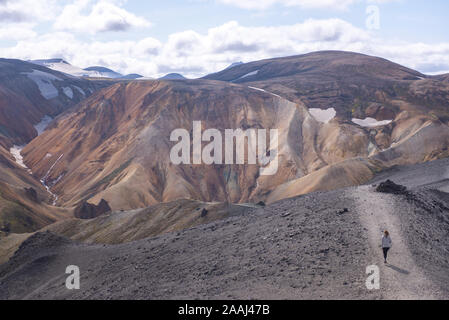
(198, 37)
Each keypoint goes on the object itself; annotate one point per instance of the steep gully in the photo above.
(16, 153)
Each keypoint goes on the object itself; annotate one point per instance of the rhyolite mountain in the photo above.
(25, 205)
(355, 85)
(364, 115)
(29, 92)
(344, 119)
(30, 96)
(116, 144)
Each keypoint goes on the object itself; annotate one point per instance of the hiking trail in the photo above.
(401, 278)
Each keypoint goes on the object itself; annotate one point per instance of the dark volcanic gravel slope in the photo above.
(425, 217)
(418, 222)
(307, 247)
(300, 248)
(434, 174)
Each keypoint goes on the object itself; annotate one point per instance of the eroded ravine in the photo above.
(16, 152)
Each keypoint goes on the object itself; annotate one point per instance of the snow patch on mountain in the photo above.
(44, 81)
(323, 116)
(65, 67)
(43, 124)
(370, 122)
(80, 90)
(248, 75)
(62, 66)
(68, 92)
(15, 151)
(259, 89)
(102, 72)
(235, 64)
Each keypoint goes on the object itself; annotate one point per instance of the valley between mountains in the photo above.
(97, 188)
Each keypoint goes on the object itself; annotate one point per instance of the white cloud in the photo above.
(27, 11)
(264, 4)
(119, 55)
(305, 4)
(84, 17)
(17, 32)
(18, 18)
(195, 54)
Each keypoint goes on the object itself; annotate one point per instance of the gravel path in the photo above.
(401, 278)
(303, 248)
(315, 246)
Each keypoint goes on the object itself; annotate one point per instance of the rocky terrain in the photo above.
(309, 247)
(355, 85)
(115, 145)
(125, 226)
(30, 96)
(29, 92)
(25, 204)
(86, 179)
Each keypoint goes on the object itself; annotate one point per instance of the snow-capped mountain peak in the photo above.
(102, 72)
(61, 65)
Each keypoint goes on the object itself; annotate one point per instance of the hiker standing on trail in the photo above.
(386, 244)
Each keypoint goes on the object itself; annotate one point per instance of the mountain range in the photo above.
(96, 71)
(173, 76)
(116, 143)
(315, 246)
(91, 72)
(86, 157)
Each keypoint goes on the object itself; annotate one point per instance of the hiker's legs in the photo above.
(385, 253)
